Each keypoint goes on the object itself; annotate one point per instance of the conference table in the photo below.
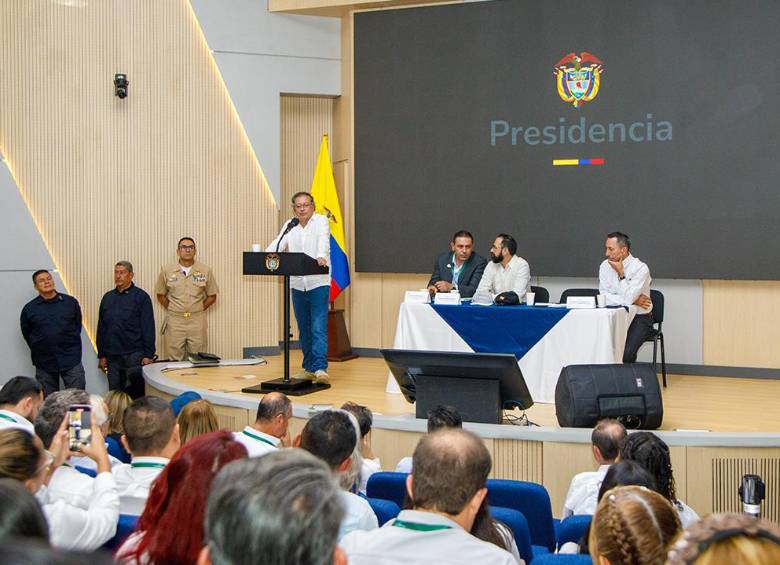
(544, 339)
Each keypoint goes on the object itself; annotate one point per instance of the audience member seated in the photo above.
(332, 436)
(622, 473)
(195, 419)
(652, 453)
(281, 509)
(447, 487)
(727, 538)
(151, 437)
(271, 428)
(117, 401)
(606, 439)
(20, 514)
(22, 551)
(632, 526)
(170, 530)
(20, 400)
(66, 483)
(23, 458)
(371, 464)
(439, 418)
(100, 416)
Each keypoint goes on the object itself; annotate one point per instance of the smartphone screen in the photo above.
(79, 425)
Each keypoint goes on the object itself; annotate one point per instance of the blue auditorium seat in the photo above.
(385, 510)
(533, 501)
(124, 528)
(519, 526)
(387, 486)
(562, 559)
(573, 528)
(86, 471)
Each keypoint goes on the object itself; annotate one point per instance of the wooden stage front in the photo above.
(741, 418)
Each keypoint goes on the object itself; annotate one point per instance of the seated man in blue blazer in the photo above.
(458, 269)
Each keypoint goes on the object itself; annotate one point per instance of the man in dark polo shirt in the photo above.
(125, 333)
(51, 326)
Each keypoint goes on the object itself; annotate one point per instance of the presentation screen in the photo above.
(560, 121)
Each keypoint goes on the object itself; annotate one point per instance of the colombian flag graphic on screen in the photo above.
(323, 189)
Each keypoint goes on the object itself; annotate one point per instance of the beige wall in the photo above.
(109, 179)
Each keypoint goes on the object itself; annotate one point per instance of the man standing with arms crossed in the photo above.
(310, 293)
(185, 289)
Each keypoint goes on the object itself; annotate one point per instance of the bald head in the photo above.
(273, 414)
(449, 467)
(608, 437)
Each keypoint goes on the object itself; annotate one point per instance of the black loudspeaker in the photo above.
(630, 393)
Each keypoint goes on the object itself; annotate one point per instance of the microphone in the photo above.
(294, 222)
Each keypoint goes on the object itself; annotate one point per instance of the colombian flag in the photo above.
(323, 189)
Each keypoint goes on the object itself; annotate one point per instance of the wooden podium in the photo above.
(284, 265)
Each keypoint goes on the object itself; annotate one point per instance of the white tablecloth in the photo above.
(583, 336)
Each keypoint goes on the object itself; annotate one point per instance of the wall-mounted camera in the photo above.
(121, 85)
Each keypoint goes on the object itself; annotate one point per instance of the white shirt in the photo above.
(687, 514)
(84, 529)
(88, 463)
(71, 486)
(516, 276)
(256, 442)
(358, 514)
(582, 497)
(369, 467)
(404, 465)
(623, 293)
(314, 240)
(10, 419)
(393, 544)
(134, 481)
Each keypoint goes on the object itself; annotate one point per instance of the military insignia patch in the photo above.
(578, 78)
(272, 262)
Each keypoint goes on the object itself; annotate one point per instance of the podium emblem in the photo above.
(272, 262)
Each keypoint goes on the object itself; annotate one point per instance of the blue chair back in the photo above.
(573, 528)
(182, 400)
(562, 559)
(86, 471)
(385, 510)
(124, 527)
(533, 501)
(519, 526)
(387, 486)
(115, 449)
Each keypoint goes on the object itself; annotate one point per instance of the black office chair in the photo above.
(578, 292)
(542, 294)
(657, 335)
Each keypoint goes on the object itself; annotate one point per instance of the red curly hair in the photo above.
(172, 520)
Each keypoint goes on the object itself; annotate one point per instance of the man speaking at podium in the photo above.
(309, 233)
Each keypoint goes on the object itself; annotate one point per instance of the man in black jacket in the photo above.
(125, 332)
(458, 269)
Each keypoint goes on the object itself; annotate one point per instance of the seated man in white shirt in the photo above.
(607, 438)
(20, 400)
(271, 428)
(151, 437)
(66, 483)
(371, 464)
(439, 418)
(332, 436)
(625, 280)
(448, 485)
(506, 272)
(281, 508)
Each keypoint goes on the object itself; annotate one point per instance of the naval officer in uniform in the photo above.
(186, 289)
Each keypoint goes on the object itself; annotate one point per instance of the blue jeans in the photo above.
(311, 312)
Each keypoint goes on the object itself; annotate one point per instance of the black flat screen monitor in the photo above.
(406, 365)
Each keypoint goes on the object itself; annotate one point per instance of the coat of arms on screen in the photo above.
(578, 77)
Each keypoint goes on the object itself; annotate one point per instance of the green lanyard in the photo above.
(419, 527)
(258, 438)
(9, 418)
(144, 465)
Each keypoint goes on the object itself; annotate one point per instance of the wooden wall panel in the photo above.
(561, 461)
(517, 460)
(109, 179)
(740, 323)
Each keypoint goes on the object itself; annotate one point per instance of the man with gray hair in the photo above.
(270, 430)
(66, 482)
(125, 333)
(280, 509)
(447, 488)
